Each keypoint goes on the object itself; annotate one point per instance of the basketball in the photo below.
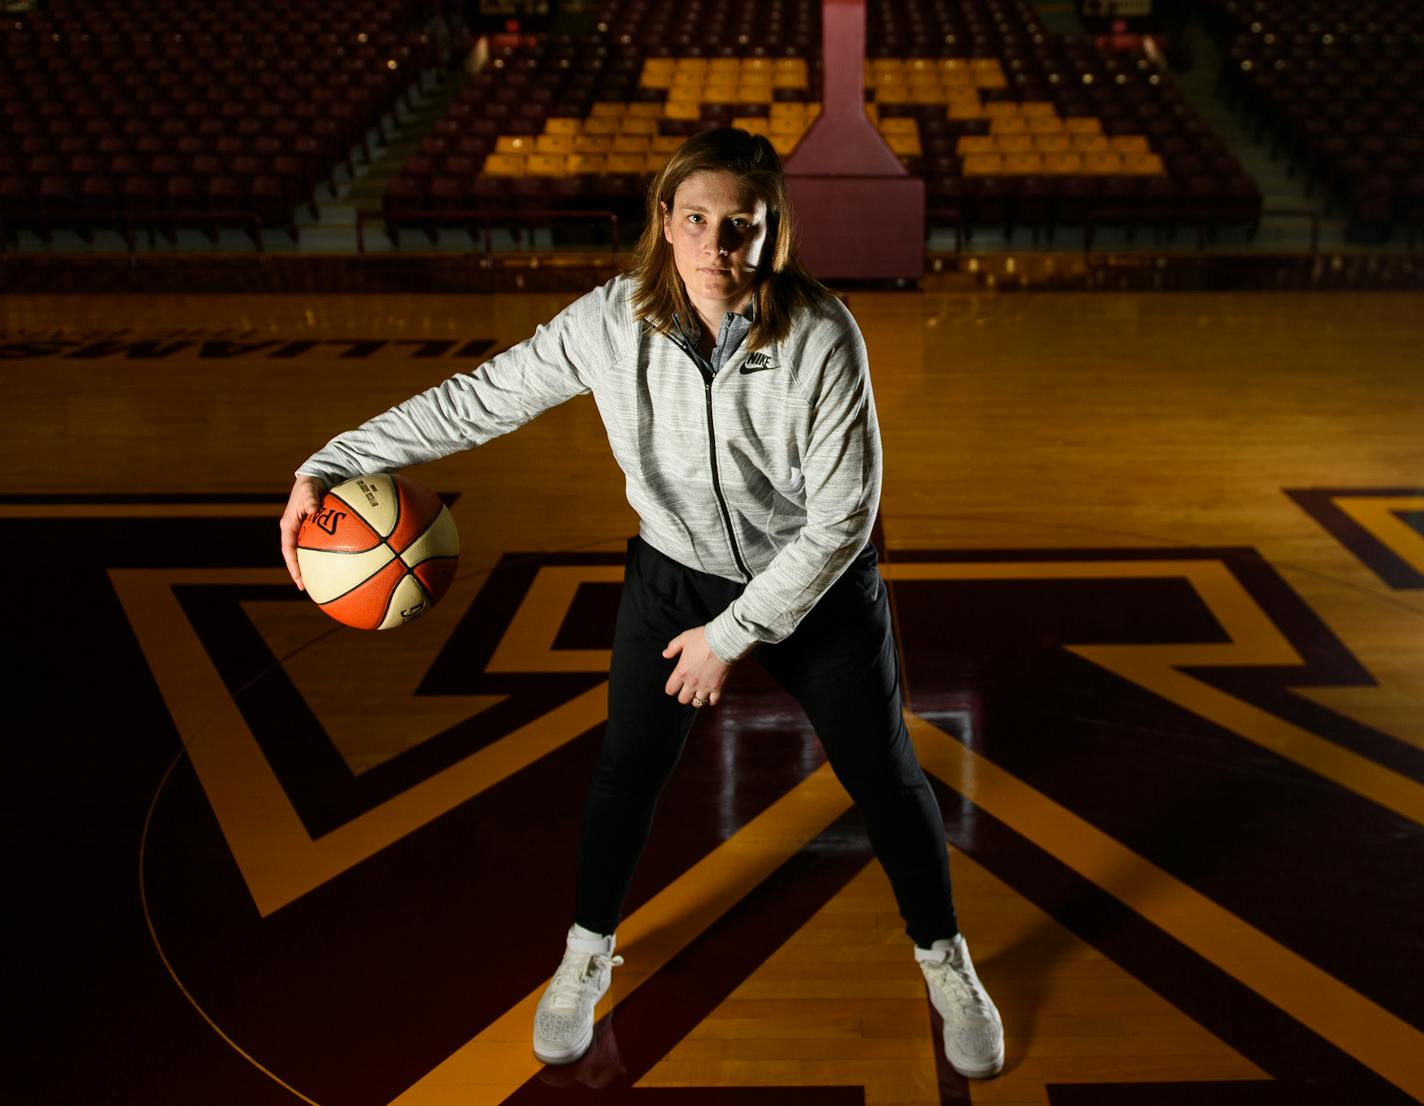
(380, 551)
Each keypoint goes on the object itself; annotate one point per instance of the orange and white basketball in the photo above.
(379, 552)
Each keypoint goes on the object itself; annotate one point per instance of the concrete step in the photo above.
(1279, 190)
(363, 191)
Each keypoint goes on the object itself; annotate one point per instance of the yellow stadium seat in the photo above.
(1006, 124)
(504, 165)
(964, 107)
(788, 110)
(643, 109)
(979, 165)
(561, 125)
(788, 73)
(989, 78)
(603, 109)
(1129, 144)
(726, 66)
(593, 143)
(1001, 109)
(719, 92)
(925, 94)
(753, 124)
(691, 65)
(625, 163)
(974, 144)
(1023, 163)
(899, 125)
(905, 145)
(682, 109)
(1052, 143)
(514, 144)
(1083, 124)
(1142, 165)
(984, 64)
(1038, 109)
(756, 65)
(1013, 143)
(1062, 162)
(754, 93)
(653, 163)
(544, 165)
(666, 143)
(813, 109)
(632, 143)
(1044, 124)
(640, 124)
(654, 79)
(586, 163)
(553, 144)
(601, 124)
(783, 144)
(1090, 143)
(1106, 164)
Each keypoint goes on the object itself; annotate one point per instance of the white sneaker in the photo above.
(563, 1023)
(973, 1031)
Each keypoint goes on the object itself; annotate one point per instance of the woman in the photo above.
(736, 396)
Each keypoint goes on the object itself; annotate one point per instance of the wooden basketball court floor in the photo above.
(1157, 566)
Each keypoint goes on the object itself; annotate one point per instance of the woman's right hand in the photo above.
(304, 502)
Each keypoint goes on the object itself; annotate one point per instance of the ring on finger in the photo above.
(698, 702)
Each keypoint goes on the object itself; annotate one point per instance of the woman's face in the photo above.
(717, 228)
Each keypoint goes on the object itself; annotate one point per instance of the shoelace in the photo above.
(969, 992)
(566, 988)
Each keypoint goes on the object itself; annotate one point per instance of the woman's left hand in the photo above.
(700, 673)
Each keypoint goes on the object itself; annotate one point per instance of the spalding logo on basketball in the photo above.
(379, 552)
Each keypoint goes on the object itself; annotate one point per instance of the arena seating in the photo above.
(1339, 90)
(1011, 127)
(120, 114)
(123, 115)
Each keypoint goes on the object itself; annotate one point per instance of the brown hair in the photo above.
(783, 286)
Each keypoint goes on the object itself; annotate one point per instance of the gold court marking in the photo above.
(1376, 514)
(278, 859)
(1254, 640)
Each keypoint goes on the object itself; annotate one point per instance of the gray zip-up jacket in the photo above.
(767, 472)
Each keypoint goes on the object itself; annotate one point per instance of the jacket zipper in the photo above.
(707, 379)
(717, 483)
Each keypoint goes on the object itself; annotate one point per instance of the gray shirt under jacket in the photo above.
(765, 472)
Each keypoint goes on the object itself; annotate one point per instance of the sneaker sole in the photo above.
(565, 1055)
(971, 1071)
(967, 1069)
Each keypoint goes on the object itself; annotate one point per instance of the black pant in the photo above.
(842, 668)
